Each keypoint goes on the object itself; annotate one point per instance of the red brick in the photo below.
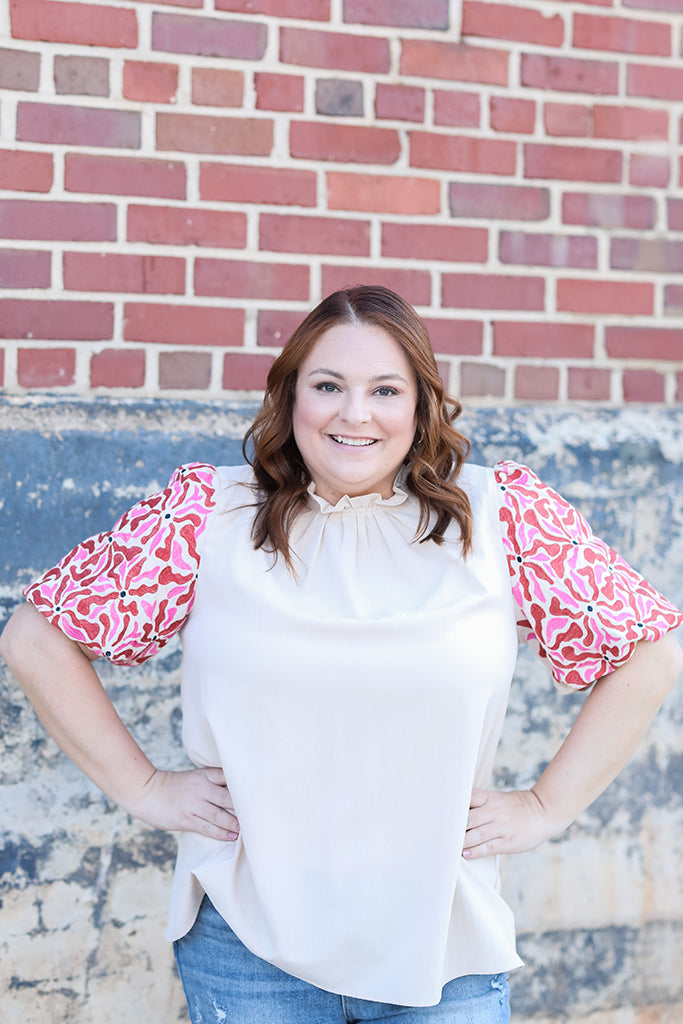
(610, 211)
(279, 92)
(455, 337)
(656, 254)
(400, 102)
(78, 126)
(46, 367)
(462, 153)
(610, 122)
(657, 81)
(340, 51)
(188, 371)
(245, 372)
(572, 163)
(493, 291)
(245, 279)
(643, 386)
(185, 225)
(435, 242)
(119, 272)
(457, 109)
(56, 319)
(621, 35)
(331, 235)
(19, 70)
(276, 326)
(623, 297)
(548, 250)
(673, 298)
(85, 24)
(401, 13)
(512, 115)
(588, 384)
(217, 87)
(182, 325)
(208, 37)
(574, 119)
(499, 202)
(25, 172)
(203, 133)
(655, 5)
(482, 380)
(507, 21)
(375, 193)
(240, 183)
(674, 209)
(414, 285)
(569, 74)
(315, 140)
(310, 10)
(645, 170)
(149, 82)
(126, 176)
(117, 368)
(24, 268)
(82, 76)
(460, 62)
(537, 383)
(543, 340)
(644, 343)
(58, 221)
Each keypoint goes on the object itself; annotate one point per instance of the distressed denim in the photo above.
(225, 983)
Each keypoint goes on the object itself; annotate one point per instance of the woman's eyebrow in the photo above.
(340, 376)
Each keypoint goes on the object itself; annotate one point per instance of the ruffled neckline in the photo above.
(363, 502)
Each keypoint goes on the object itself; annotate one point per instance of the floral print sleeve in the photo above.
(125, 593)
(582, 606)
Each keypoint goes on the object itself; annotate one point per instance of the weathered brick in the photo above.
(19, 70)
(652, 254)
(85, 24)
(588, 384)
(673, 298)
(657, 81)
(208, 37)
(493, 291)
(339, 51)
(543, 340)
(25, 172)
(184, 225)
(78, 126)
(569, 74)
(188, 371)
(203, 133)
(508, 21)
(622, 35)
(56, 319)
(245, 372)
(117, 368)
(643, 386)
(674, 212)
(548, 250)
(400, 102)
(590, 296)
(128, 176)
(279, 92)
(481, 380)
(275, 326)
(311, 140)
(248, 279)
(507, 114)
(123, 272)
(375, 193)
(655, 5)
(498, 202)
(644, 343)
(573, 119)
(401, 13)
(646, 170)
(455, 337)
(46, 367)
(339, 97)
(462, 153)
(572, 163)
(414, 285)
(175, 3)
(435, 242)
(457, 109)
(25, 268)
(171, 324)
(82, 76)
(609, 211)
(150, 82)
(58, 221)
(537, 383)
(217, 87)
(309, 10)
(461, 62)
(240, 183)
(639, 123)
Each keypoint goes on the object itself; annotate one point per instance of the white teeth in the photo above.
(355, 442)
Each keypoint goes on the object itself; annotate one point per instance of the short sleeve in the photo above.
(582, 606)
(126, 593)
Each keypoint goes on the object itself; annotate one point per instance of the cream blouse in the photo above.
(352, 707)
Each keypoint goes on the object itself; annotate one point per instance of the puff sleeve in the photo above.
(581, 605)
(125, 593)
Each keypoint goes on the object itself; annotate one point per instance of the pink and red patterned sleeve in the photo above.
(581, 605)
(125, 593)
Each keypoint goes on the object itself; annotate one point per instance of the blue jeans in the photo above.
(227, 984)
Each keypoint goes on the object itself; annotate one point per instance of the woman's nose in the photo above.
(356, 408)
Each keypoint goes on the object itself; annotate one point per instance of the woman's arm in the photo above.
(606, 733)
(58, 678)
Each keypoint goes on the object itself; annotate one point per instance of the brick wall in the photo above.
(180, 181)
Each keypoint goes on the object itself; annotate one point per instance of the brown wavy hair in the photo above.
(433, 462)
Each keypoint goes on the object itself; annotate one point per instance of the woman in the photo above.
(351, 605)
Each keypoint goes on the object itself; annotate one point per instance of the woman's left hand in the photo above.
(505, 822)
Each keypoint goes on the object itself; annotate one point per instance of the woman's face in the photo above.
(354, 414)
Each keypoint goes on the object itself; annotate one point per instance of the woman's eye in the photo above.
(327, 386)
(384, 392)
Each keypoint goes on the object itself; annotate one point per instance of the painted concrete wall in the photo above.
(84, 888)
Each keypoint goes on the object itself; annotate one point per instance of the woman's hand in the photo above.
(197, 800)
(506, 822)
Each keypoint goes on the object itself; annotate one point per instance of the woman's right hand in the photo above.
(196, 800)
